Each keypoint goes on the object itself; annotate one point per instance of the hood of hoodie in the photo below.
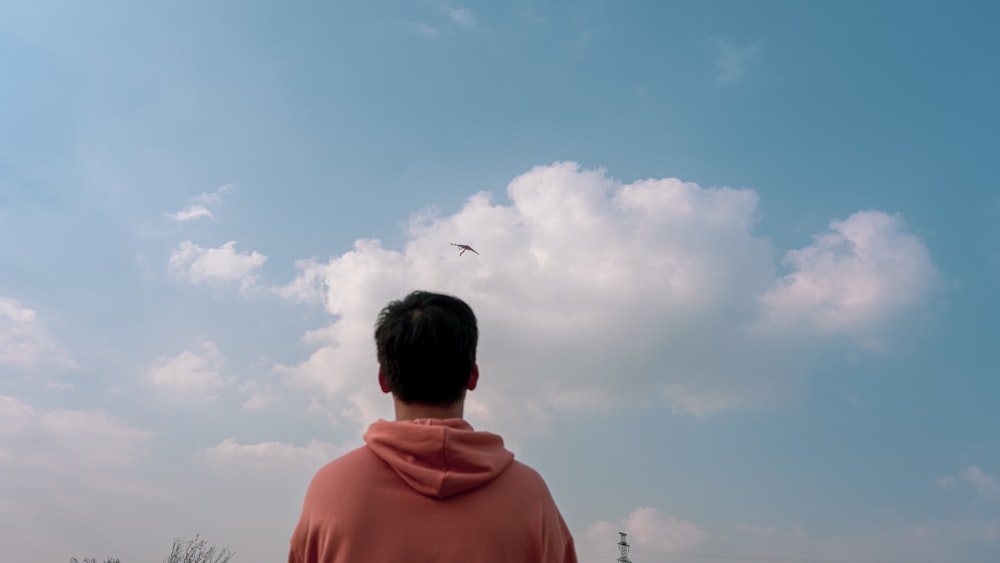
(439, 457)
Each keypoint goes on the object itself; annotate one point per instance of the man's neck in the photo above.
(413, 411)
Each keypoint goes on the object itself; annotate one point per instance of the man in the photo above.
(427, 487)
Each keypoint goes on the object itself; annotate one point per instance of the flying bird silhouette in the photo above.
(465, 247)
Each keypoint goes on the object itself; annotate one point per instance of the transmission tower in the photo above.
(623, 549)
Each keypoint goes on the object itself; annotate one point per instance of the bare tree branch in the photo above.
(197, 550)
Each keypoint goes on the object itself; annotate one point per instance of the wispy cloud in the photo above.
(732, 60)
(986, 486)
(199, 209)
(946, 482)
(424, 30)
(191, 213)
(15, 415)
(191, 376)
(259, 395)
(64, 438)
(462, 17)
(223, 264)
(68, 461)
(24, 341)
(648, 529)
(269, 455)
(216, 196)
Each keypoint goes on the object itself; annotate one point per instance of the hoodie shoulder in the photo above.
(529, 482)
(356, 464)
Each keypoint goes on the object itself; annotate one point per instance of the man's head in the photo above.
(427, 348)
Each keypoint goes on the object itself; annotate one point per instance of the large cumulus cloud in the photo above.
(591, 292)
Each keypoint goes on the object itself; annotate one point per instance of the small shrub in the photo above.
(197, 550)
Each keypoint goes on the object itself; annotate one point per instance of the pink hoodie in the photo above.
(429, 490)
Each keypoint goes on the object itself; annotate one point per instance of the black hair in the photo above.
(427, 347)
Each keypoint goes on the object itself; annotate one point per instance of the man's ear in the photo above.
(473, 377)
(382, 383)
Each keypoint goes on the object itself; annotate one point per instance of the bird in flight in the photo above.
(465, 247)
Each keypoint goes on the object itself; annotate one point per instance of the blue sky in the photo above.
(736, 282)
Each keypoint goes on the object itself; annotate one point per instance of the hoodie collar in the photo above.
(439, 457)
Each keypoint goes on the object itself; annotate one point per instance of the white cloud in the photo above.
(462, 17)
(592, 293)
(216, 196)
(946, 482)
(259, 395)
(647, 529)
(60, 439)
(60, 468)
(191, 213)
(223, 264)
(199, 209)
(12, 310)
(732, 60)
(309, 286)
(190, 375)
(94, 438)
(15, 415)
(986, 485)
(270, 455)
(24, 341)
(864, 272)
(424, 30)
